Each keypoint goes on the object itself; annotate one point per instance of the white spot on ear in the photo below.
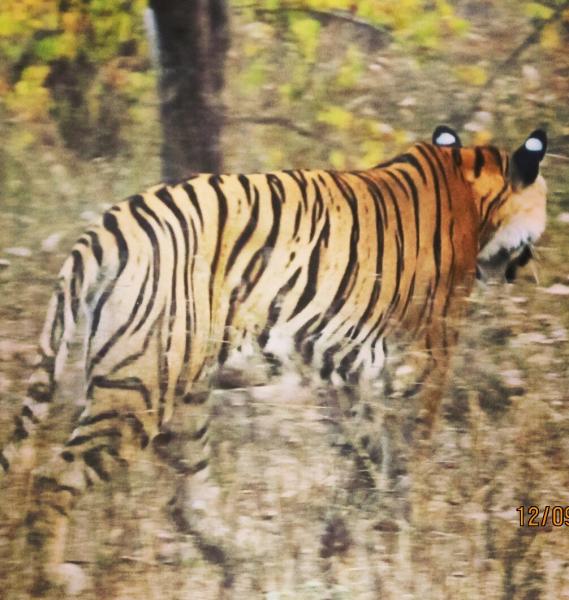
(534, 145)
(447, 139)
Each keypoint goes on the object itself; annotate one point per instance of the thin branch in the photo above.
(381, 33)
(277, 121)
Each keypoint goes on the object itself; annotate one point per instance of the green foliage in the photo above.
(69, 61)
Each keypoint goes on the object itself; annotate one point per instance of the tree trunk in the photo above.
(192, 43)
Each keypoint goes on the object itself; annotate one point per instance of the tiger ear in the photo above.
(445, 136)
(527, 157)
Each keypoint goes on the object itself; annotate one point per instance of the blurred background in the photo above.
(100, 99)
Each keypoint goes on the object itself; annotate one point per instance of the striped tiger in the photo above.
(327, 267)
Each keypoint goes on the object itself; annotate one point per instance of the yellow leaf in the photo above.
(372, 153)
(35, 73)
(335, 116)
(482, 137)
(306, 31)
(337, 159)
(23, 141)
(550, 38)
(73, 22)
(535, 10)
(472, 74)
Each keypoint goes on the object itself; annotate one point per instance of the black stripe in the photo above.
(199, 466)
(138, 428)
(400, 185)
(410, 293)
(380, 228)
(4, 463)
(328, 361)
(93, 460)
(456, 157)
(174, 280)
(350, 272)
(215, 181)
(90, 420)
(104, 350)
(165, 367)
(191, 303)
(411, 159)
(51, 484)
(196, 398)
(415, 198)
(297, 220)
(377, 195)
(400, 231)
(76, 283)
(276, 307)
(27, 412)
(497, 157)
(317, 210)
(258, 263)
(478, 161)
(189, 189)
(451, 271)
(300, 179)
(40, 392)
(110, 433)
(20, 432)
(129, 383)
(137, 206)
(57, 325)
(451, 275)
(309, 290)
(246, 185)
(437, 237)
(96, 246)
(246, 234)
(224, 348)
(199, 434)
(110, 223)
(495, 202)
(347, 362)
(299, 338)
(165, 196)
(133, 357)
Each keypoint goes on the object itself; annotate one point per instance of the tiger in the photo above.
(329, 267)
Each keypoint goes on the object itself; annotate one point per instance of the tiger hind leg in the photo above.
(196, 509)
(104, 441)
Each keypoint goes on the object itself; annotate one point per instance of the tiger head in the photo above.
(511, 196)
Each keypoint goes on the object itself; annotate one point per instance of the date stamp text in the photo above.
(546, 516)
